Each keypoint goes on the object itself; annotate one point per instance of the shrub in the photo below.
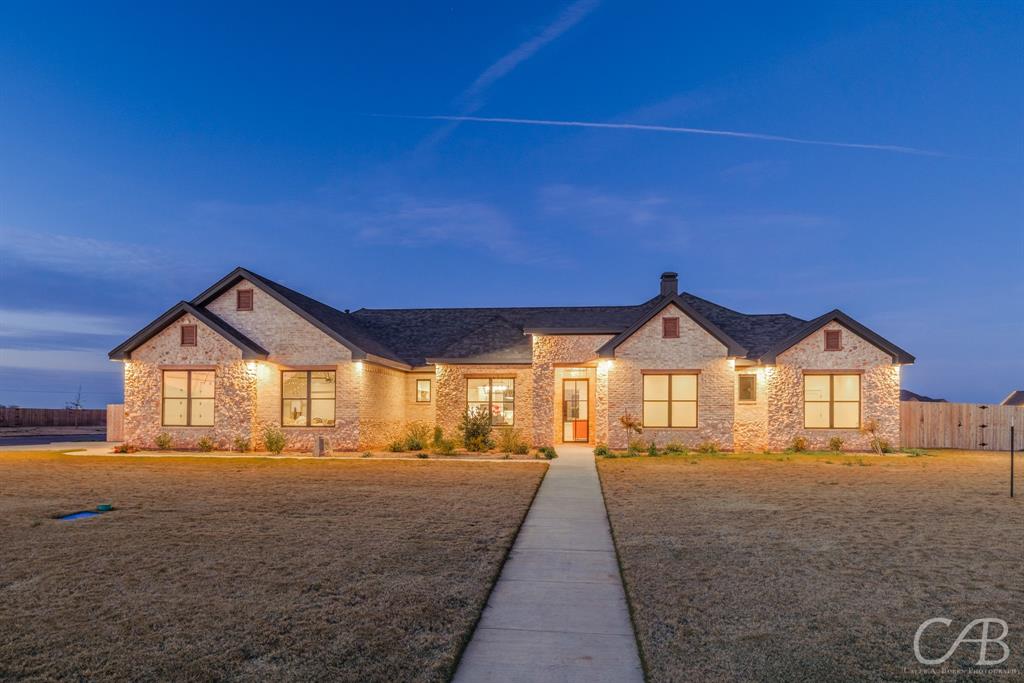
(798, 444)
(438, 436)
(241, 444)
(835, 444)
(163, 441)
(475, 430)
(676, 448)
(366, 454)
(511, 441)
(547, 452)
(126, 448)
(636, 447)
(444, 447)
(631, 425)
(878, 444)
(709, 447)
(397, 446)
(652, 450)
(273, 439)
(422, 454)
(883, 446)
(602, 450)
(416, 436)
(205, 444)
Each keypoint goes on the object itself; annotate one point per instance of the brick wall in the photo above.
(694, 349)
(549, 350)
(450, 394)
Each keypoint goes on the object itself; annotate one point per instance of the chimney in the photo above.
(669, 284)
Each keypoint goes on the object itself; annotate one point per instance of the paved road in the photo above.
(558, 611)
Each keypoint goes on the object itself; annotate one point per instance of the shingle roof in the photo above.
(1016, 398)
(417, 336)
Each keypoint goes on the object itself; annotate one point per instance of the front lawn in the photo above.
(247, 568)
(814, 567)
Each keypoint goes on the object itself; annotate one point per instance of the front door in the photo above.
(575, 410)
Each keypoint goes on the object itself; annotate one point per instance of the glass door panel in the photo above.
(575, 410)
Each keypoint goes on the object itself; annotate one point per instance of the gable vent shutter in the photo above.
(833, 340)
(188, 335)
(244, 299)
(670, 328)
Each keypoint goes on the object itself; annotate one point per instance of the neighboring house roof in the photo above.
(908, 395)
(250, 349)
(1016, 398)
(415, 337)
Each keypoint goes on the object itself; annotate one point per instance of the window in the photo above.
(670, 328)
(307, 398)
(831, 401)
(748, 388)
(188, 335)
(243, 299)
(833, 340)
(494, 395)
(423, 391)
(188, 398)
(670, 400)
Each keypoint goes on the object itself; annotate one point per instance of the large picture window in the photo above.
(670, 400)
(188, 397)
(307, 398)
(831, 401)
(493, 395)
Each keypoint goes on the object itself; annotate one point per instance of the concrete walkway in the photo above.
(558, 611)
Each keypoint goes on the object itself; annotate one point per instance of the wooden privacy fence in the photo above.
(970, 426)
(51, 417)
(115, 422)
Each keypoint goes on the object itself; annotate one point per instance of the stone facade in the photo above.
(450, 394)
(694, 349)
(374, 404)
(880, 390)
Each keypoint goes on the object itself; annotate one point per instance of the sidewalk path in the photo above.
(558, 611)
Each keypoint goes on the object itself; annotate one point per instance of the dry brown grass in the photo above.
(752, 568)
(249, 569)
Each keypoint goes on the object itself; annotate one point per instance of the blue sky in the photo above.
(144, 153)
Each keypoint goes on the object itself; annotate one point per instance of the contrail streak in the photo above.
(671, 129)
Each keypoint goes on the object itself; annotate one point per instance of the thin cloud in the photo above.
(471, 99)
(76, 255)
(573, 14)
(21, 323)
(671, 129)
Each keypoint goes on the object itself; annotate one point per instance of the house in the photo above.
(1015, 398)
(249, 352)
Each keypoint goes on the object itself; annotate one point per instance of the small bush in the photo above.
(273, 439)
(241, 444)
(708, 447)
(444, 447)
(397, 446)
(547, 452)
(602, 450)
(205, 444)
(422, 455)
(475, 430)
(438, 436)
(676, 448)
(798, 444)
(652, 450)
(636, 447)
(835, 444)
(416, 436)
(366, 454)
(126, 448)
(884, 446)
(511, 441)
(163, 441)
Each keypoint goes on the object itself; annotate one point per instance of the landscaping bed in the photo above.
(813, 567)
(248, 568)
